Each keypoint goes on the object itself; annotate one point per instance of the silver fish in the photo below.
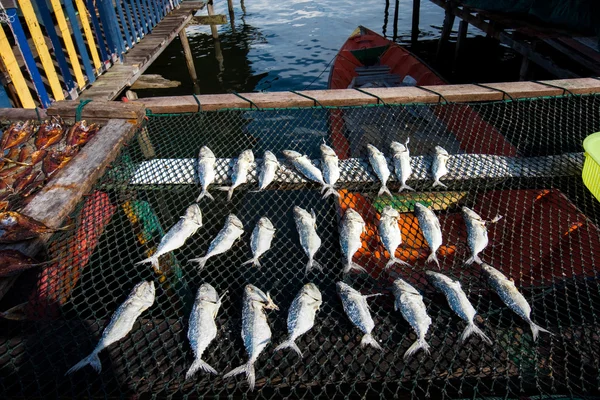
(121, 323)
(380, 166)
(177, 235)
(459, 303)
(477, 236)
(357, 310)
(306, 224)
(402, 168)
(270, 165)
(206, 171)
(410, 303)
(301, 317)
(261, 239)
(432, 231)
(352, 228)
(255, 330)
(232, 230)
(438, 167)
(306, 167)
(390, 234)
(240, 172)
(203, 328)
(331, 170)
(511, 296)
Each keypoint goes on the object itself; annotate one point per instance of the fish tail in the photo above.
(416, 346)
(405, 187)
(395, 260)
(199, 364)
(253, 261)
(536, 329)
(289, 344)
(201, 262)
(229, 190)
(384, 190)
(352, 265)
(331, 191)
(474, 329)
(474, 259)
(203, 194)
(247, 369)
(313, 264)
(438, 183)
(369, 340)
(153, 260)
(433, 258)
(92, 360)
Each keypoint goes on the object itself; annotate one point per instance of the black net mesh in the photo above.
(548, 242)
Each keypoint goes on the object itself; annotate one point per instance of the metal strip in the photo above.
(85, 57)
(12, 67)
(357, 171)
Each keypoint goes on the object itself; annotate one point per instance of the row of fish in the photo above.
(352, 227)
(327, 177)
(256, 332)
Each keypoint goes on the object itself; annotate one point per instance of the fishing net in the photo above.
(518, 159)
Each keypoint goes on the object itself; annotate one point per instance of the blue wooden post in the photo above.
(99, 37)
(155, 11)
(142, 16)
(17, 30)
(151, 13)
(58, 50)
(147, 20)
(110, 40)
(109, 23)
(85, 57)
(125, 30)
(135, 25)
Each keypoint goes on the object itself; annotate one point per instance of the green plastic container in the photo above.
(591, 166)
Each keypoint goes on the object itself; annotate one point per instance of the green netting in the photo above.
(548, 242)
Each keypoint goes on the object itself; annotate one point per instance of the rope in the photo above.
(379, 99)
(322, 72)
(565, 90)
(441, 97)
(37, 112)
(504, 94)
(317, 102)
(197, 102)
(79, 109)
(248, 100)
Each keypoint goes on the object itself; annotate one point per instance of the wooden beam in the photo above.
(350, 97)
(154, 81)
(446, 31)
(187, 52)
(102, 110)
(217, 19)
(414, 37)
(21, 114)
(211, 11)
(463, 27)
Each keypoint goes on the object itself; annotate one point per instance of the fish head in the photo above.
(390, 212)
(312, 291)
(373, 151)
(266, 223)
(401, 286)
(194, 214)
(247, 155)
(8, 219)
(439, 280)
(421, 208)
(205, 152)
(235, 221)
(493, 272)
(301, 213)
(144, 293)
(270, 157)
(344, 289)
(468, 213)
(252, 293)
(207, 293)
(291, 154)
(440, 151)
(398, 147)
(327, 151)
(353, 216)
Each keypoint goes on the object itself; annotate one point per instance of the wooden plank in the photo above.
(217, 19)
(10, 62)
(154, 81)
(99, 110)
(21, 114)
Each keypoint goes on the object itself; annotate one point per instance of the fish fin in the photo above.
(395, 260)
(474, 259)
(202, 365)
(373, 295)
(203, 194)
(289, 344)
(312, 212)
(93, 360)
(405, 187)
(247, 369)
(352, 265)
(536, 329)
(201, 262)
(384, 190)
(313, 264)
(329, 190)
(438, 183)
(416, 346)
(153, 260)
(496, 219)
(369, 340)
(433, 257)
(250, 261)
(228, 189)
(471, 329)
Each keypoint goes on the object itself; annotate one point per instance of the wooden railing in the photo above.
(43, 62)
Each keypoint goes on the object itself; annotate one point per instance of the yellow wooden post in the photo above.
(12, 67)
(66, 35)
(89, 36)
(42, 49)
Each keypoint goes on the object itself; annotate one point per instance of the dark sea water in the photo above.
(289, 45)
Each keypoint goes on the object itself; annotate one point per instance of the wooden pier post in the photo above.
(396, 20)
(463, 27)
(211, 11)
(231, 15)
(386, 15)
(446, 30)
(414, 37)
(187, 52)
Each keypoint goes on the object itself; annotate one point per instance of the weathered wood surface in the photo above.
(350, 97)
(154, 81)
(137, 60)
(216, 19)
(21, 114)
(99, 110)
(58, 199)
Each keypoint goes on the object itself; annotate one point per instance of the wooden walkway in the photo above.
(137, 60)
